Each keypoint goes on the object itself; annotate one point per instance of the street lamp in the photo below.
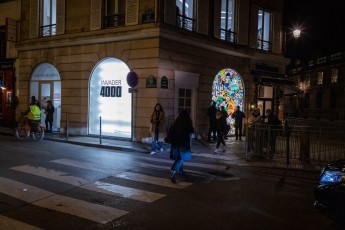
(296, 33)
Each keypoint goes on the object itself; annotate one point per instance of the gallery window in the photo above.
(264, 28)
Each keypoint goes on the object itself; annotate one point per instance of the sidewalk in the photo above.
(234, 155)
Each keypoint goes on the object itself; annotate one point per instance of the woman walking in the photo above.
(181, 143)
(157, 130)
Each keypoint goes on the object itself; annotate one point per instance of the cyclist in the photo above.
(34, 114)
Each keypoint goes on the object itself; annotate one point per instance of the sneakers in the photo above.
(172, 177)
(224, 148)
(216, 151)
(152, 152)
(161, 149)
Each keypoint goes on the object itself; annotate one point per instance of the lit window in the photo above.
(264, 27)
(334, 77)
(319, 78)
(185, 14)
(227, 18)
(48, 23)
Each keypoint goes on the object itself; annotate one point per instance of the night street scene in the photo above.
(172, 114)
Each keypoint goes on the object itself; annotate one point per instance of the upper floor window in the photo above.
(185, 14)
(334, 76)
(264, 28)
(320, 78)
(48, 18)
(227, 19)
(114, 13)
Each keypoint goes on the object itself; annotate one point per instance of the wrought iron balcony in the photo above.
(114, 20)
(48, 30)
(264, 45)
(185, 22)
(228, 35)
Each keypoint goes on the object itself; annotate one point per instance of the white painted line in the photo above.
(97, 186)
(11, 224)
(45, 199)
(152, 180)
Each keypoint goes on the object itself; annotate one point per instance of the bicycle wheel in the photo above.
(20, 133)
(39, 135)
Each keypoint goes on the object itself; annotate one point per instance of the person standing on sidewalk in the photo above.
(182, 130)
(220, 127)
(238, 115)
(157, 129)
(225, 116)
(49, 112)
(211, 113)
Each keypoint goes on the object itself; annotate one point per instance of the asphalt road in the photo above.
(52, 185)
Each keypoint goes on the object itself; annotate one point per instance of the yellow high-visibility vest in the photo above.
(35, 113)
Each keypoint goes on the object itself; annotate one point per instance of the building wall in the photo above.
(158, 49)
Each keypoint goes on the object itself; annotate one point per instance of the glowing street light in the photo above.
(296, 33)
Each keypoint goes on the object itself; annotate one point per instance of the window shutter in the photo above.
(34, 18)
(170, 12)
(277, 33)
(202, 17)
(96, 16)
(60, 16)
(132, 11)
(253, 39)
(217, 8)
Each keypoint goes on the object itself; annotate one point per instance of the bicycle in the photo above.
(35, 129)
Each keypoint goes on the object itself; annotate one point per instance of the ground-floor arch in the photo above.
(110, 103)
(228, 91)
(45, 85)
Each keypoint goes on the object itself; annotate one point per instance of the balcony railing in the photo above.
(114, 20)
(264, 45)
(228, 35)
(185, 22)
(48, 30)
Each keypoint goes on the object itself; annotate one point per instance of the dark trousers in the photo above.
(49, 125)
(238, 131)
(212, 130)
(220, 139)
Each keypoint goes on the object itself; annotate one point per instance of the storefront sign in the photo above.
(45, 72)
(151, 82)
(164, 82)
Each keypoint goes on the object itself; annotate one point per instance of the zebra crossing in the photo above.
(61, 201)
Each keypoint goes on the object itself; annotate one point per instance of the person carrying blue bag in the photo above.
(181, 132)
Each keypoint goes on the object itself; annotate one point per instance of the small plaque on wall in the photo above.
(164, 82)
(151, 82)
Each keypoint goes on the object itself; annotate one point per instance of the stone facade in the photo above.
(159, 48)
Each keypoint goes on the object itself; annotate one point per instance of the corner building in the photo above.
(185, 54)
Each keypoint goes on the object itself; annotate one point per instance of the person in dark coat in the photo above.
(221, 128)
(49, 112)
(182, 130)
(225, 116)
(238, 116)
(157, 128)
(211, 113)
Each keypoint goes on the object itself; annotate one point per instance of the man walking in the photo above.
(238, 115)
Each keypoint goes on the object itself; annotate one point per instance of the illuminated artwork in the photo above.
(110, 100)
(228, 91)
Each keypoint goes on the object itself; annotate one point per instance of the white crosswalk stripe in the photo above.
(95, 212)
(45, 199)
(11, 224)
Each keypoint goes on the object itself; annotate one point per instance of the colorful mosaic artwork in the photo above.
(228, 91)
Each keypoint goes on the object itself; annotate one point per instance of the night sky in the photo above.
(322, 24)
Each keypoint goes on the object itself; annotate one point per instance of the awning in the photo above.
(288, 86)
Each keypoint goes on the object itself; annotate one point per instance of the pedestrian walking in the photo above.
(220, 127)
(238, 116)
(225, 116)
(211, 113)
(157, 129)
(49, 112)
(182, 130)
